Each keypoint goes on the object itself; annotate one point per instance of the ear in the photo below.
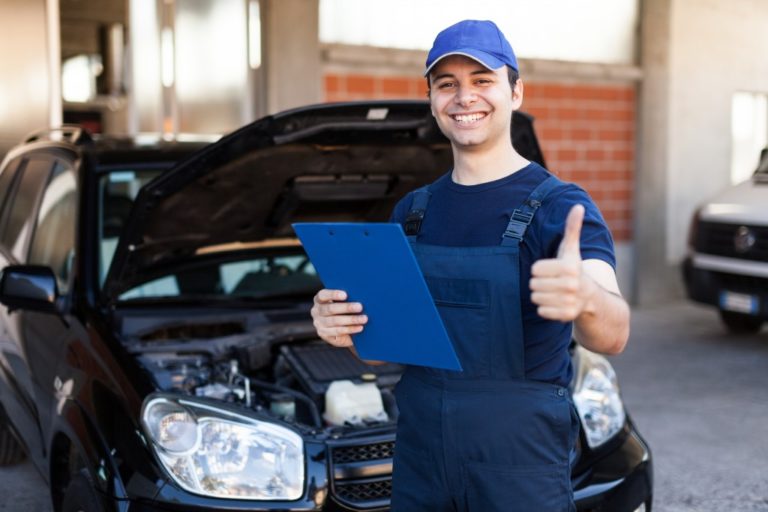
(517, 94)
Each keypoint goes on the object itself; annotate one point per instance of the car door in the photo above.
(46, 336)
(16, 224)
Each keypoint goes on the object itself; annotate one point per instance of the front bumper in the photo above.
(706, 286)
(618, 478)
(619, 481)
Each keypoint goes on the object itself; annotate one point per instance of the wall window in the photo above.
(749, 133)
(584, 31)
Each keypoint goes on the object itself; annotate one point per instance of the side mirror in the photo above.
(30, 287)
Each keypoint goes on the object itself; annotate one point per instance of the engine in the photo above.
(293, 377)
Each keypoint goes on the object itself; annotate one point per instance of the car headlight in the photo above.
(597, 399)
(221, 454)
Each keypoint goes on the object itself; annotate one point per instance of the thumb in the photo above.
(570, 245)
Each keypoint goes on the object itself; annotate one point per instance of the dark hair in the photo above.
(512, 75)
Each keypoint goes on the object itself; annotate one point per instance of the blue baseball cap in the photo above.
(480, 40)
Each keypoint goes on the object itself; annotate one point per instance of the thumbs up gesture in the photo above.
(559, 287)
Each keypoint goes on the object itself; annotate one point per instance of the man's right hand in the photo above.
(335, 319)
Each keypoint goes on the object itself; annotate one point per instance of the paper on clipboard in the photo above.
(374, 264)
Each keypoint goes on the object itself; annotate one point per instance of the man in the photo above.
(514, 258)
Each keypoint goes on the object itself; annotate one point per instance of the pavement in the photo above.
(700, 398)
(698, 395)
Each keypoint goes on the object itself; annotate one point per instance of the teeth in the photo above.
(468, 118)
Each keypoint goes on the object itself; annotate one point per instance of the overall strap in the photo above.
(416, 214)
(521, 218)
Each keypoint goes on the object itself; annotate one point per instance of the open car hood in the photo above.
(332, 162)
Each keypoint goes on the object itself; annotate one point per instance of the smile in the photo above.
(468, 118)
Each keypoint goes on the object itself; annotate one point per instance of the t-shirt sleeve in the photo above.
(596, 238)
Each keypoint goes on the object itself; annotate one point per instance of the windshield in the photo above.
(234, 274)
(117, 191)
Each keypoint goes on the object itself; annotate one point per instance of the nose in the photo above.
(465, 96)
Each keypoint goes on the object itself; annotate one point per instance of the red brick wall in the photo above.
(587, 132)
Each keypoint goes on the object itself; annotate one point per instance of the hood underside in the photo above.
(343, 162)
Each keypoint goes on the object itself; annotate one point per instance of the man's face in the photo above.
(473, 104)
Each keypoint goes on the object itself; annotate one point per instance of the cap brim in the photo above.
(485, 59)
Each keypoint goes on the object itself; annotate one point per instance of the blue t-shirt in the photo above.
(477, 215)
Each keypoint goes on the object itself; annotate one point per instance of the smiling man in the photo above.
(517, 262)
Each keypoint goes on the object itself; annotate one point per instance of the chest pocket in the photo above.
(464, 306)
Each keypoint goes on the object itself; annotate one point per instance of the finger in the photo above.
(559, 300)
(557, 313)
(345, 320)
(555, 268)
(564, 284)
(340, 341)
(331, 332)
(339, 308)
(328, 324)
(325, 296)
(340, 336)
(571, 238)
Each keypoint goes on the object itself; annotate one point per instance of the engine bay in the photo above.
(271, 362)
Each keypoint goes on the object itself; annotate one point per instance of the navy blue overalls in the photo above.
(485, 439)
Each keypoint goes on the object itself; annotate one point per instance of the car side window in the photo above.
(6, 179)
(25, 196)
(53, 241)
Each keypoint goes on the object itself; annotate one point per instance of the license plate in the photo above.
(739, 302)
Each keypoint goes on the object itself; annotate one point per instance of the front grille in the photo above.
(718, 239)
(361, 492)
(363, 453)
(362, 473)
(740, 283)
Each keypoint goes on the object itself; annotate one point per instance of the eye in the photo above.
(445, 85)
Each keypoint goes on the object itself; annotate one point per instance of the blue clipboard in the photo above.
(374, 264)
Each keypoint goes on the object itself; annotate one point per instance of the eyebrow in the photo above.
(476, 72)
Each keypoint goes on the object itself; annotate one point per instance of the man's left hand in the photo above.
(559, 286)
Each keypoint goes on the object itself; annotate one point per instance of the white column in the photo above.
(291, 53)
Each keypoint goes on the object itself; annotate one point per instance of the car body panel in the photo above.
(744, 203)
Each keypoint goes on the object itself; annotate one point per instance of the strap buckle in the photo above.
(413, 222)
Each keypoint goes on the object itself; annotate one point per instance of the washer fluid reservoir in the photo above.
(356, 404)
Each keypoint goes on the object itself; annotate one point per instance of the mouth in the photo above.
(468, 119)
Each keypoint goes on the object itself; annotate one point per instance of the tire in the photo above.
(81, 496)
(11, 451)
(738, 323)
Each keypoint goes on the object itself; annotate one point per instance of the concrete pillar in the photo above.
(695, 55)
(654, 277)
(291, 53)
(29, 89)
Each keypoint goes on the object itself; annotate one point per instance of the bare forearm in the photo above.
(603, 325)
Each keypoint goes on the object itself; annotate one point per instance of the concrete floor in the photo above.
(698, 396)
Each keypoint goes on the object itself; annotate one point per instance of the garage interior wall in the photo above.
(585, 119)
(26, 86)
(696, 55)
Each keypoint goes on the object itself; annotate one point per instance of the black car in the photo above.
(157, 351)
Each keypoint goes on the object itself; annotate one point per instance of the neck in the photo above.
(472, 167)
